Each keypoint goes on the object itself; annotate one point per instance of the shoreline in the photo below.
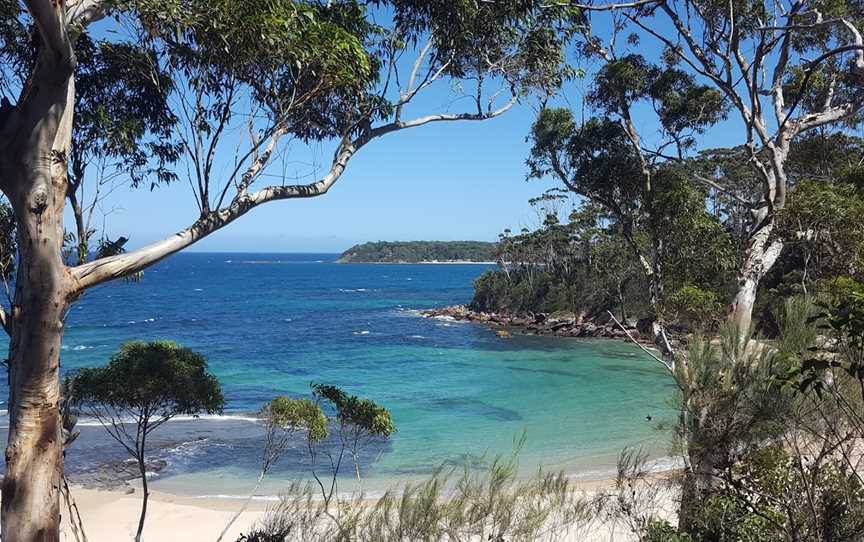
(424, 262)
(548, 325)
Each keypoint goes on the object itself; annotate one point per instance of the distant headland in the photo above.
(420, 252)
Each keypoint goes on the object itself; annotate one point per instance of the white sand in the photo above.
(112, 516)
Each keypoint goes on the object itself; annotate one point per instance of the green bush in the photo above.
(662, 531)
(695, 307)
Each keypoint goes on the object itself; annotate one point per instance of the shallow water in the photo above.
(272, 323)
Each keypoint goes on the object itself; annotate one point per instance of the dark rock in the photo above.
(644, 326)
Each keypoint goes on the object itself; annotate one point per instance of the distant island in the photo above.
(420, 252)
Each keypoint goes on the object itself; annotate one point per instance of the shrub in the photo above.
(492, 505)
(695, 307)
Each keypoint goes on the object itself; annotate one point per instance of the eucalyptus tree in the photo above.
(162, 82)
(785, 69)
(659, 216)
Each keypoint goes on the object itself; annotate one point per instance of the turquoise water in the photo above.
(271, 324)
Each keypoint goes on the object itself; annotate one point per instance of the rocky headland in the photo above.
(555, 324)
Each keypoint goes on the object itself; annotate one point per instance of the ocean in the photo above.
(271, 324)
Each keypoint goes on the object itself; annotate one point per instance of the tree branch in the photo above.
(5, 321)
(723, 189)
(668, 365)
(84, 12)
(121, 265)
(50, 20)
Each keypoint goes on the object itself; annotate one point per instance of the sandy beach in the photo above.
(112, 516)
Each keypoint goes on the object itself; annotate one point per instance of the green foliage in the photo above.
(661, 531)
(306, 64)
(492, 504)
(769, 495)
(160, 378)
(694, 247)
(420, 251)
(621, 82)
(695, 307)
(297, 414)
(526, 32)
(822, 223)
(683, 107)
(595, 160)
(8, 241)
(360, 413)
(16, 55)
(123, 112)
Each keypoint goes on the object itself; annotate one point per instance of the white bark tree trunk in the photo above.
(31, 487)
(761, 254)
(33, 146)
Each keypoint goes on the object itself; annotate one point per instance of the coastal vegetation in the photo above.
(703, 243)
(493, 504)
(419, 252)
(358, 422)
(144, 385)
(741, 264)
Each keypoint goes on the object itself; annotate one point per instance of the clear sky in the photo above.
(449, 181)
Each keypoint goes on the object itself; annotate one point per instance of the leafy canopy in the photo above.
(297, 414)
(360, 413)
(160, 378)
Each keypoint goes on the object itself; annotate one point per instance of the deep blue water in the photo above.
(272, 323)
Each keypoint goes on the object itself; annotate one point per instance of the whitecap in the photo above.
(92, 422)
(145, 321)
(364, 332)
(83, 347)
(416, 337)
(199, 289)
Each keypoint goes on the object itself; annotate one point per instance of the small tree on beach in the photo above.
(360, 421)
(142, 387)
(284, 416)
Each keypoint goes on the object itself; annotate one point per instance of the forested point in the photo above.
(420, 252)
(581, 262)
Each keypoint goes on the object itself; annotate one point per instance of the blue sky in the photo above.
(448, 182)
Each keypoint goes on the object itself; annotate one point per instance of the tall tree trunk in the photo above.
(33, 177)
(31, 487)
(763, 249)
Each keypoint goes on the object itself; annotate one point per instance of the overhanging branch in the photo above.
(121, 265)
